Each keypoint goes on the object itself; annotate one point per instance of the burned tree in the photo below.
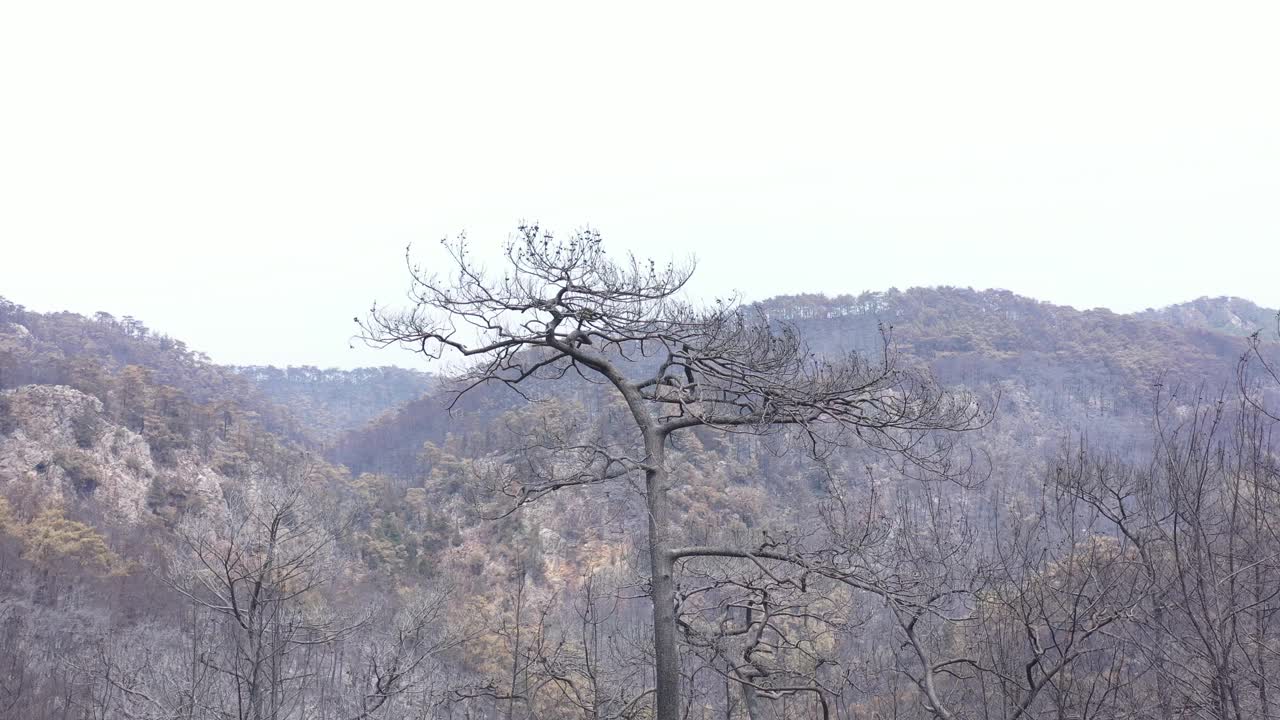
(563, 307)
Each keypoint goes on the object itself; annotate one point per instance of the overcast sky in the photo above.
(245, 176)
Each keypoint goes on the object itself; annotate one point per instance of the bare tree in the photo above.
(563, 307)
(253, 566)
(1033, 625)
(1199, 516)
(397, 656)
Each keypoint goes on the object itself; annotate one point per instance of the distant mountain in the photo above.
(967, 335)
(122, 452)
(303, 404)
(1058, 369)
(1229, 315)
(334, 401)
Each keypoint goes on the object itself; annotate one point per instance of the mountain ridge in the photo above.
(116, 444)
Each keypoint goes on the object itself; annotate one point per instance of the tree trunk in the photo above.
(662, 566)
(752, 704)
(515, 649)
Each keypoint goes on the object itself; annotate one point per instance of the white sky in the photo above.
(245, 176)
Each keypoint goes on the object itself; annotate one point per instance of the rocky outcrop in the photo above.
(55, 444)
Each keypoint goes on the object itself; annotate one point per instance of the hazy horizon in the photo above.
(409, 360)
(246, 180)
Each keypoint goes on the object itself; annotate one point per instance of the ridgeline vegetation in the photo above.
(930, 503)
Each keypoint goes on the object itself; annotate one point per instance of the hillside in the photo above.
(130, 465)
(94, 355)
(1227, 315)
(142, 487)
(1064, 369)
(335, 401)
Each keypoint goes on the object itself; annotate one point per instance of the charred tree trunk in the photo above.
(662, 566)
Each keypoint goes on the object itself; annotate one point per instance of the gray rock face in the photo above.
(60, 445)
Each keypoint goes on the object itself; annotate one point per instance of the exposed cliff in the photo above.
(56, 445)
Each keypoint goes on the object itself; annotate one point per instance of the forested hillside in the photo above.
(185, 540)
(334, 401)
(1057, 370)
(105, 357)
(1229, 315)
